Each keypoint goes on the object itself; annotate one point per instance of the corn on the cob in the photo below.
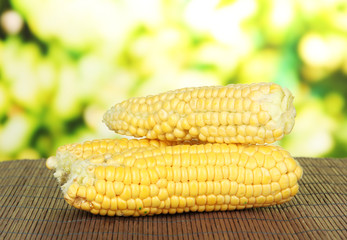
(256, 114)
(147, 177)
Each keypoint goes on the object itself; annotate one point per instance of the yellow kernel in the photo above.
(153, 175)
(260, 200)
(147, 203)
(278, 197)
(110, 173)
(234, 200)
(233, 188)
(263, 117)
(202, 188)
(211, 199)
(171, 188)
(184, 123)
(241, 190)
(179, 133)
(163, 194)
(162, 183)
(100, 173)
(118, 187)
(182, 202)
(261, 133)
(173, 119)
(156, 202)
(298, 172)
(253, 121)
(193, 188)
(154, 190)
(166, 128)
(266, 189)
(201, 200)
(269, 162)
(192, 173)
(294, 190)
(144, 191)
(275, 188)
(100, 186)
(284, 181)
(140, 163)
(266, 177)
(278, 133)
(209, 187)
(237, 118)
(275, 174)
(213, 131)
(119, 174)
(193, 131)
(135, 175)
(184, 174)
(81, 192)
(281, 166)
(190, 201)
(241, 175)
(233, 172)
(127, 175)
(201, 173)
(126, 194)
(121, 204)
(95, 206)
(291, 164)
(106, 203)
(110, 190)
(286, 193)
(220, 199)
(260, 158)
(257, 176)
(174, 202)
(178, 188)
(225, 184)
(176, 174)
(185, 189)
(99, 198)
(113, 204)
(270, 199)
(135, 190)
(144, 176)
(91, 193)
(85, 206)
(245, 120)
(257, 190)
(248, 176)
(216, 188)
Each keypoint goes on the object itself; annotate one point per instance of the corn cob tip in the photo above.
(51, 163)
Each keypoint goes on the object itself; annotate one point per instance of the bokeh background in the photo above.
(63, 63)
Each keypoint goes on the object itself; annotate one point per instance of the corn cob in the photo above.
(254, 114)
(147, 177)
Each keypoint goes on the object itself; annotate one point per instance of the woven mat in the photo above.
(32, 207)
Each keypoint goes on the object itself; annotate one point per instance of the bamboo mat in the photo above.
(32, 207)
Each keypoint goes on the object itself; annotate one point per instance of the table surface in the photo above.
(32, 207)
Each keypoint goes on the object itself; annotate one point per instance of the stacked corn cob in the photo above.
(202, 151)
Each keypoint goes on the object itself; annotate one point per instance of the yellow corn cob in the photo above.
(147, 177)
(256, 113)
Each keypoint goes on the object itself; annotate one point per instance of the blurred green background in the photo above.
(63, 63)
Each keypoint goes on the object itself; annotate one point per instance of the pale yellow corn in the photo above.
(147, 177)
(238, 113)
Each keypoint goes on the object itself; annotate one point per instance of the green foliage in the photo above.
(63, 63)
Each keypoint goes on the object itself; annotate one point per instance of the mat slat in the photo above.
(32, 207)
